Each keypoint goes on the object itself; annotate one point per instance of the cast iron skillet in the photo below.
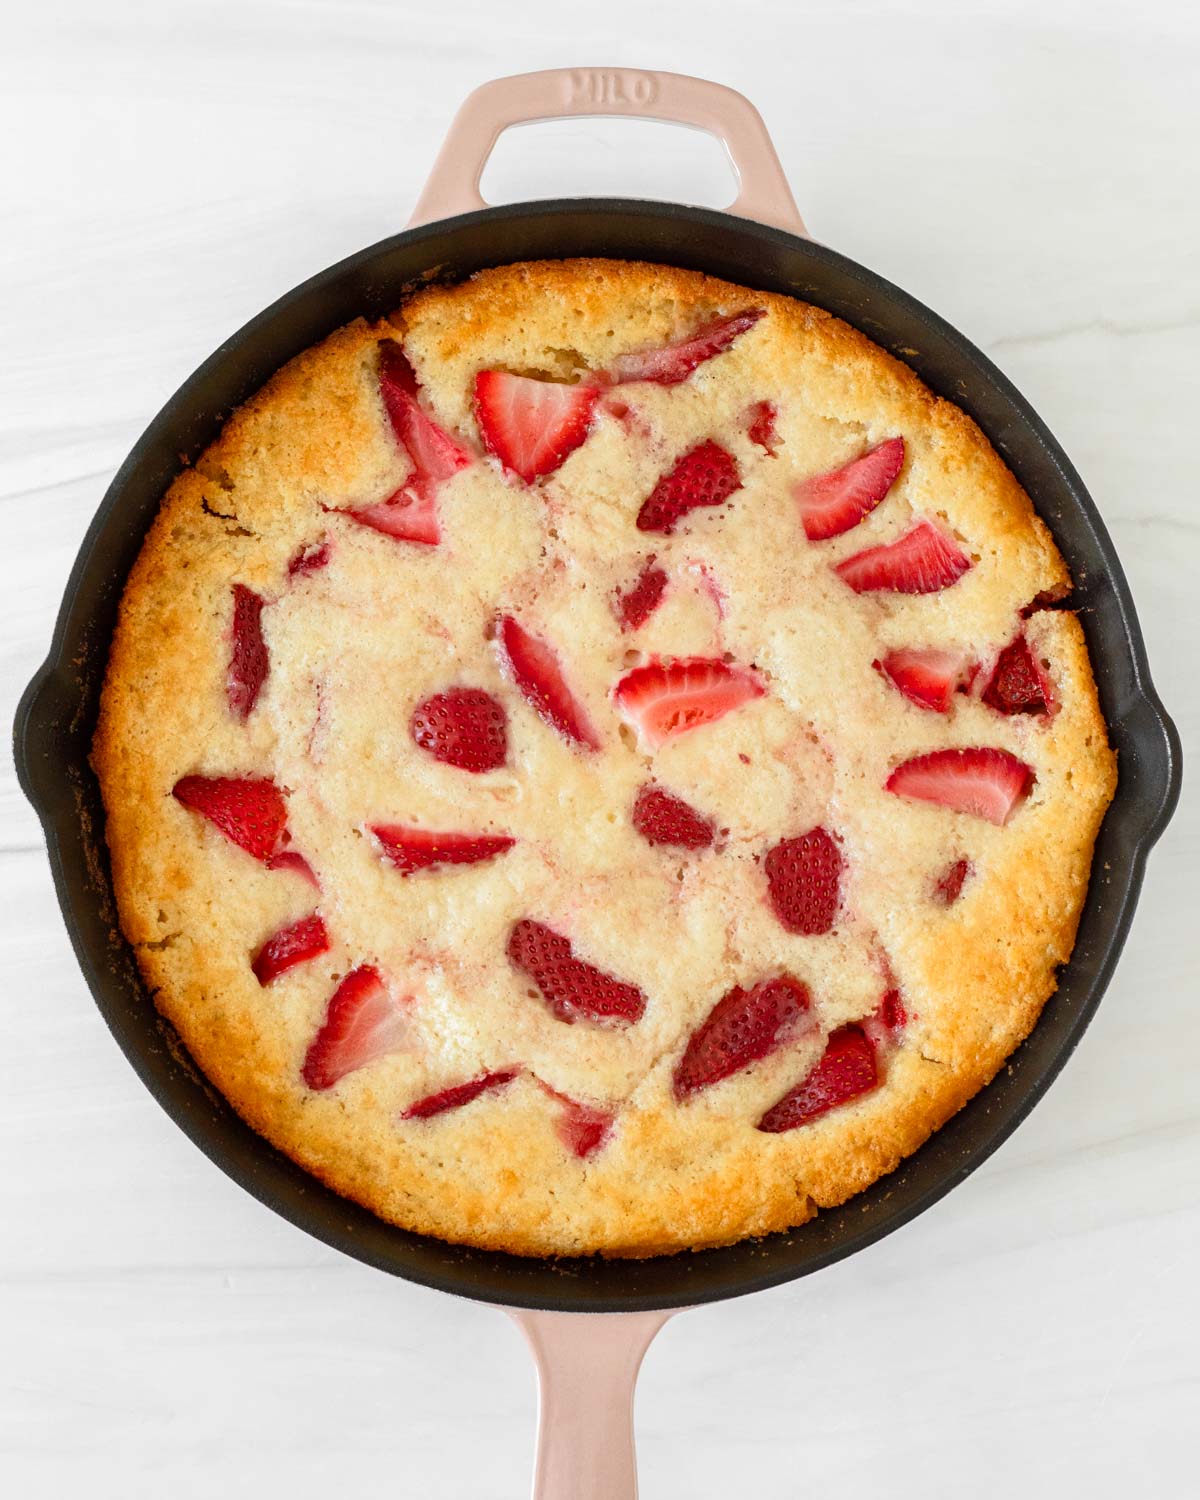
(57, 714)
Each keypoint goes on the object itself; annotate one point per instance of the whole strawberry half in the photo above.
(458, 1095)
(662, 818)
(411, 513)
(249, 811)
(638, 603)
(847, 1070)
(531, 426)
(671, 363)
(248, 662)
(413, 849)
(537, 672)
(303, 940)
(804, 881)
(665, 699)
(929, 677)
(983, 781)
(922, 561)
(1017, 684)
(573, 989)
(743, 1027)
(834, 502)
(706, 475)
(462, 727)
(363, 1022)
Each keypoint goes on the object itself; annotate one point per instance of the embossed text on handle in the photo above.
(610, 89)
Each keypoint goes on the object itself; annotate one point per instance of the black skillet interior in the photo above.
(57, 717)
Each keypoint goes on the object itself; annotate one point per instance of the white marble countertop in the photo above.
(1030, 170)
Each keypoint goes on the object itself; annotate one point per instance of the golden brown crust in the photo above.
(975, 977)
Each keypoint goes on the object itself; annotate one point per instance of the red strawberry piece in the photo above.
(310, 558)
(249, 811)
(922, 561)
(536, 671)
(743, 1026)
(948, 886)
(986, 782)
(463, 727)
(573, 989)
(884, 1028)
(289, 859)
(928, 677)
(303, 940)
(846, 1071)
(661, 818)
(675, 362)
(583, 1129)
(667, 698)
(1017, 684)
(636, 605)
(458, 1095)
(411, 513)
(761, 427)
(434, 454)
(804, 880)
(411, 849)
(705, 475)
(531, 426)
(363, 1023)
(248, 662)
(834, 502)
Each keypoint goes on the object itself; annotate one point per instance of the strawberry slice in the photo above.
(458, 1095)
(760, 428)
(983, 781)
(672, 363)
(706, 475)
(662, 818)
(743, 1026)
(668, 698)
(948, 886)
(463, 727)
(248, 664)
(884, 1027)
(531, 426)
(289, 859)
(922, 561)
(411, 513)
(573, 990)
(636, 605)
(837, 501)
(536, 671)
(928, 677)
(303, 940)
(1017, 684)
(583, 1128)
(411, 849)
(804, 881)
(363, 1023)
(310, 558)
(434, 454)
(249, 811)
(846, 1071)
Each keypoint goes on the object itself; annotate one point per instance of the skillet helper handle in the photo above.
(587, 1366)
(557, 93)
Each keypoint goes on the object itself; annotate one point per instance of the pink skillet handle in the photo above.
(453, 185)
(587, 1366)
